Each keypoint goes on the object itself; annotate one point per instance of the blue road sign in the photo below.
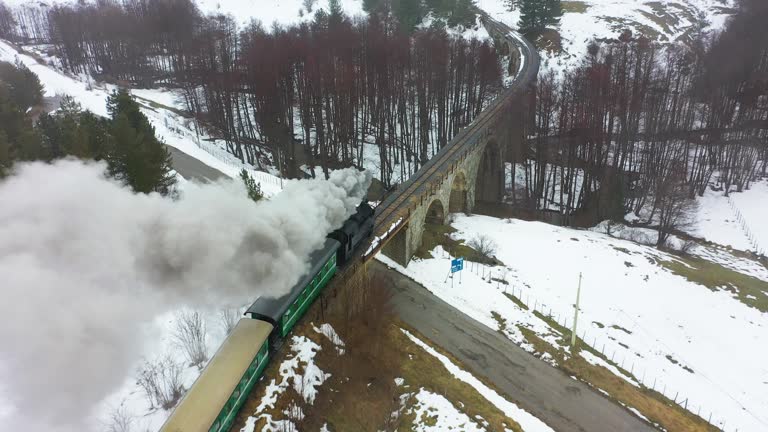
(457, 265)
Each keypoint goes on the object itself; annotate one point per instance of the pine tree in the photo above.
(530, 15)
(409, 13)
(136, 156)
(5, 154)
(23, 85)
(254, 189)
(511, 4)
(335, 11)
(552, 11)
(96, 131)
(463, 13)
(536, 15)
(370, 6)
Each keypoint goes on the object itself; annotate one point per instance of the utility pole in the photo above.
(575, 315)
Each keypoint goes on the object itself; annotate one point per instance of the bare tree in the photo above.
(161, 381)
(676, 208)
(484, 245)
(229, 317)
(190, 336)
(120, 420)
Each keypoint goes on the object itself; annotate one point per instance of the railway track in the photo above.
(398, 206)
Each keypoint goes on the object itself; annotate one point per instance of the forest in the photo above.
(642, 128)
(637, 127)
(331, 92)
(125, 140)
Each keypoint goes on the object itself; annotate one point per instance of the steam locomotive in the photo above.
(214, 400)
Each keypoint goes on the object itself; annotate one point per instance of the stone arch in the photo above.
(489, 185)
(457, 202)
(397, 246)
(435, 213)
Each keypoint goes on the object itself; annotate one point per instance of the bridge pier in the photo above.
(471, 168)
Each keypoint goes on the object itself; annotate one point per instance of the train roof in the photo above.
(202, 404)
(274, 308)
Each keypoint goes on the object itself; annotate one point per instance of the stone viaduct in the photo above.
(469, 169)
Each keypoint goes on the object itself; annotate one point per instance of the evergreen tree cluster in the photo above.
(253, 188)
(126, 140)
(536, 15)
(411, 13)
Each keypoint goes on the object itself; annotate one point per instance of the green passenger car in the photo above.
(217, 395)
(285, 311)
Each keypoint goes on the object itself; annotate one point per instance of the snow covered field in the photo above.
(586, 20)
(686, 340)
(271, 12)
(738, 222)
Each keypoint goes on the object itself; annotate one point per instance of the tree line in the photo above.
(125, 140)
(639, 128)
(330, 92)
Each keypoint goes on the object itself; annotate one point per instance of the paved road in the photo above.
(191, 168)
(544, 391)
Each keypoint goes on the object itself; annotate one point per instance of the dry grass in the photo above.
(574, 6)
(361, 394)
(749, 290)
(653, 405)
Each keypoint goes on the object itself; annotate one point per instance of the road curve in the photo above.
(193, 169)
(563, 403)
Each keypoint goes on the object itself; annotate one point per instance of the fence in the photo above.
(210, 146)
(617, 357)
(752, 238)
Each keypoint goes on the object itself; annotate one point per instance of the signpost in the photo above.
(457, 265)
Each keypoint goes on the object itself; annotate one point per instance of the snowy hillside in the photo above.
(175, 130)
(269, 12)
(274, 11)
(583, 21)
(738, 220)
(666, 331)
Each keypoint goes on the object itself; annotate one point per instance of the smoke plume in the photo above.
(84, 263)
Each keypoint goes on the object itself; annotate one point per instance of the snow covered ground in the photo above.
(586, 20)
(300, 372)
(525, 174)
(160, 342)
(528, 422)
(738, 222)
(271, 12)
(687, 340)
(173, 129)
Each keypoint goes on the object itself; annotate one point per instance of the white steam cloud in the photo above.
(84, 263)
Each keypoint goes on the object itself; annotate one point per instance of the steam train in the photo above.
(217, 395)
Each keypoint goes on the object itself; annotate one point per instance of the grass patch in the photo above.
(361, 393)
(651, 404)
(621, 249)
(618, 327)
(749, 290)
(500, 320)
(420, 368)
(574, 7)
(435, 235)
(661, 17)
(621, 24)
(516, 301)
(548, 40)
